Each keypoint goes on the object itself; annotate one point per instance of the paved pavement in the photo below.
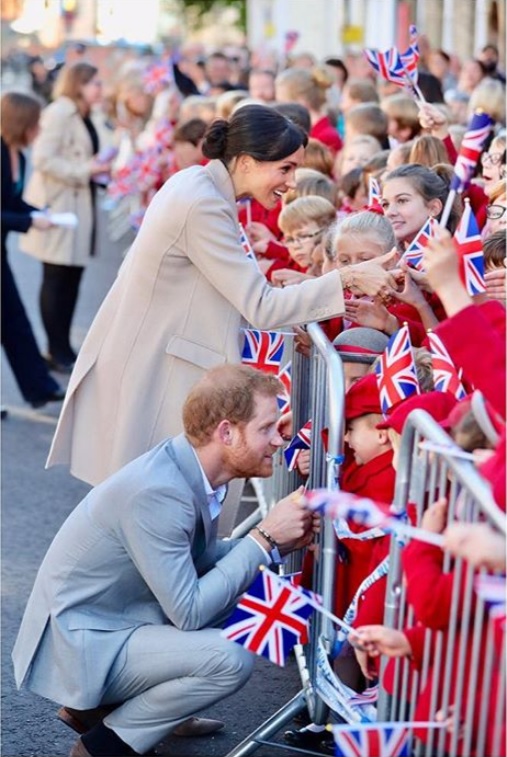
(34, 504)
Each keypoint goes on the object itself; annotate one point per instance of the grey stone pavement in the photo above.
(35, 502)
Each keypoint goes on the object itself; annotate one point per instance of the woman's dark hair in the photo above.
(431, 184)
(255, 130)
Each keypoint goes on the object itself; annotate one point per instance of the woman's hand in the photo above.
(495, 283)
(41, 223)
(372, 277)
(373, 315)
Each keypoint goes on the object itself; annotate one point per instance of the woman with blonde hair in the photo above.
(309, 87)
(65, 160)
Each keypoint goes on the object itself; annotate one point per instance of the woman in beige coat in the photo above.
(64, 166)
(183, 293)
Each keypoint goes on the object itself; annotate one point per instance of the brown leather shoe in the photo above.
(198, 727)
(82, 721)
(79, 750)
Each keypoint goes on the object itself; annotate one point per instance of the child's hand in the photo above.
(495, 283)
(303, 462)
(377, 640)
(477, 543)
(258, 231)
(411, 292)
(285, 423)
(434, 518)
(373, 315)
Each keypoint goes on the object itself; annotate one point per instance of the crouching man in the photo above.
(123, 623)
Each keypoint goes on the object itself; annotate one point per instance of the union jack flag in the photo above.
(263, 350)
(301, 441)
(291, 38)
(341, 504)
(410, 57)
(245, 243)
(388, 64)
(374, 194)
(157, 76)
(413, 255)
(396, 373)
(285, 377)
(372, 740)
(368, 696)
(445, 375)
(471, 147)
(468, 243)
(491, 589)
(271, 617)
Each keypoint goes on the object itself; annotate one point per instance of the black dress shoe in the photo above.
(56, 396)
(304, 739)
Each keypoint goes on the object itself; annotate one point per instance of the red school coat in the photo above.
(376, 481)
(479, 327)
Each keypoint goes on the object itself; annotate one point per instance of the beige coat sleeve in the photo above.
(212, 245)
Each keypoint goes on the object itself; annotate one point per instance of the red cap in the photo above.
(437, 404)
(363, 398)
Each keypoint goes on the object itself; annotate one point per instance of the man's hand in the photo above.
(290, 524)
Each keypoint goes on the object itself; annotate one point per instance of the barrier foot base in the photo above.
(262, 734)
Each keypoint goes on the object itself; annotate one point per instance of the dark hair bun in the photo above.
(215, 139)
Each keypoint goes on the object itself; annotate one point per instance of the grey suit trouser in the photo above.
(165, 675)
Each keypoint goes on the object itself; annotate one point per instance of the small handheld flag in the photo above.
(372, 740)
(285, 376)
(396, 372)
(471, 147)
(263, 350)
(467, 239)
(301, 441)
(413, 255)
(445, 375)
(271, 617)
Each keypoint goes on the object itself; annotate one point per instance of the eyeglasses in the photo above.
(301, 238)
(494, 158)
(495, 211)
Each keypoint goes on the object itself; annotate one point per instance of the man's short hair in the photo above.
(227, 392)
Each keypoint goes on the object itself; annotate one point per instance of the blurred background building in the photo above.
(322, 27)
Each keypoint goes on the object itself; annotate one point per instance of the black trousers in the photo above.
(58, 298)
(29, 369)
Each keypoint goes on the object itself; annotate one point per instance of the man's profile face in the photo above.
(254, 443)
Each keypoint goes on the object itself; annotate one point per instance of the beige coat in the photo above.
(176, 309)
(61, 180)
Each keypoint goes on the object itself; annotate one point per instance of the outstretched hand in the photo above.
(372, 277)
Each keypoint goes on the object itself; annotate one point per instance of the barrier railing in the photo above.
(463, 669)
(459, 666)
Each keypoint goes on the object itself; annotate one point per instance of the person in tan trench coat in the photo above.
(182, 295)
(64, 162)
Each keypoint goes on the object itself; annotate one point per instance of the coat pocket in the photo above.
(194, 353)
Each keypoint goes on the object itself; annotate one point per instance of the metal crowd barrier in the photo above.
(479, 677)
(318, 391)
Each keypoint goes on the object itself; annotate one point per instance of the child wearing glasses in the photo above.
(493, 164)
(303, 223)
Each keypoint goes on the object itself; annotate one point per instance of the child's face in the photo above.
(353, 372)
(366, 441)
(499, 223)
(186, 154)
(301, 242)
(406, 209)
(355, 248)
(356, 155)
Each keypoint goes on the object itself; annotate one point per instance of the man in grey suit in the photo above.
(126, 609)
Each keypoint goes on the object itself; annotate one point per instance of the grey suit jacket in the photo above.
(139, 549)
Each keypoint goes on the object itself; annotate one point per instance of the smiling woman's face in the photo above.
(267, 181)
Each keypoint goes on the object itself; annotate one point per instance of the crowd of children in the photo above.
(330, 219)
